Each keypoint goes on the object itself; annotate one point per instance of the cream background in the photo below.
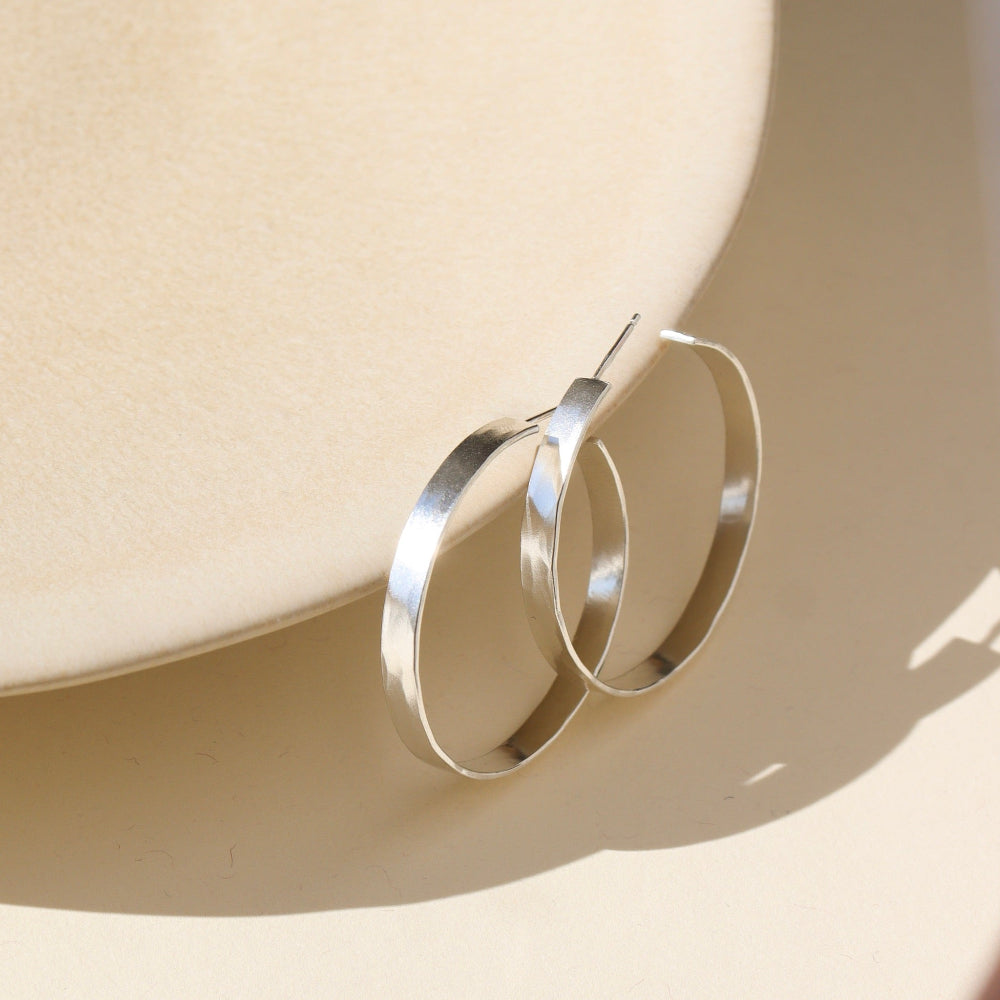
(263, 265)
(245, 822)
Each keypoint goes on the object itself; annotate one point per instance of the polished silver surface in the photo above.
(563, 445)
(570, 425)
(578, 658)
(410, 575)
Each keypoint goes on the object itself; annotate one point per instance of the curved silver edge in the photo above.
(409, 578)
(540, 529)
(564, 444)
(737, 509)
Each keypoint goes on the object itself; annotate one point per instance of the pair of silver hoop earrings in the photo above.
(577, 659)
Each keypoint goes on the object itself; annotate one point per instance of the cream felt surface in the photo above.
(263, 266)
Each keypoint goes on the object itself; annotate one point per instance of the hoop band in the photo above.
(561, 447)
(410, 575)
(570, 423)
(577, 659)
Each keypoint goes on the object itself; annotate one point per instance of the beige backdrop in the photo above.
(811, 811)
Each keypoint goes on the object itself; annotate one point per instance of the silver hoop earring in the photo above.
(577, 659)
(410, 575)
(547, 486)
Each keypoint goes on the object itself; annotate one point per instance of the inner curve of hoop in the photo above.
(591, 639)
(596, 624)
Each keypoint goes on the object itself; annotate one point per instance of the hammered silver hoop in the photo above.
(577, 659)
(409, 579)
(570, 424)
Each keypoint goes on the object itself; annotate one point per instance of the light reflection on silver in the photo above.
(410, 576)
(734, 500)
(568, 427)
(577, 659)
(564, 445)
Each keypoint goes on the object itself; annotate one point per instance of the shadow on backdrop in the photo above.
(266, 778)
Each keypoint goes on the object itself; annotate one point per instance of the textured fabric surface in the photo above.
(262, 266)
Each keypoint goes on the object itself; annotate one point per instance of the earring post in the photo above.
(617, 345)
(608, 358)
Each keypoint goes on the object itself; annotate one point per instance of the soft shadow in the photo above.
(266, 777)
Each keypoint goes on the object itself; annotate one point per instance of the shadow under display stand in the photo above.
(266, 777)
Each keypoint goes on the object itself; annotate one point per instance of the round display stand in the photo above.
(264, 266)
